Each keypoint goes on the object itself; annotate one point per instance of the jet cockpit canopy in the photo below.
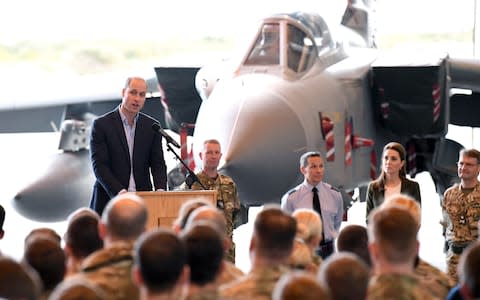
(289, 42)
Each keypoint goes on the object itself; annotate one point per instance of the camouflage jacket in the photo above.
(227, 196)
(433, 280)
(111, 269)
(396, 287)
(256, 285)
(461, 214)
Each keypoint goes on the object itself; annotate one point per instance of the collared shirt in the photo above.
(130, 135)
(331, 204)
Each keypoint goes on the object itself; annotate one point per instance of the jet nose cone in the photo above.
(62, 188)
(262, 140)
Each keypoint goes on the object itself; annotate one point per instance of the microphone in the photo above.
(156, 127)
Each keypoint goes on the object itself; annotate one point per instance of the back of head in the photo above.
(301, 256)
(469, 269)
(185, 210)
(309, 224)
(125, 217)
(47, 258)
(274, 232)
(160, 256)
(346, 276)
(298, 285)
(82, 235)
(16, 281)
(77, 289)
(406, 202)
(394, 232)
(354, 238)
(45, 232)
(211, 214)
(204, 251)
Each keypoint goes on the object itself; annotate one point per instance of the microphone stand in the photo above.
(191, 178)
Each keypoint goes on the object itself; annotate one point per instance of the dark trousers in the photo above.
(325, 249)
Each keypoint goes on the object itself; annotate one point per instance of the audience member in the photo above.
(299, 285)
(314, 193)
(47, 258)
(76, 289)
(229, 272)
(461, 209)
(122, 222)
(301, 257)
(45, 232)
(469, 275)
(81, 238)
(227, 195)
(354, 239)
(18, 281)
(160, 270)
(270, 246)
(184, 213)
(346, 276)
(205, 254)
(431, 278)
(309, 229)
(393, 247)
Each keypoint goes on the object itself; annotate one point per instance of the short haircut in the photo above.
(130, 79)
(274, 231)
(160, 256)
(17, 281)
(468, 269)
(186, 209)
(46, 257)
(82, 235)
(346, 276)
(354, 239)
(77, 288)
(394, 230)
(211, 214)
(406, 202)
(204, 251)
(125, 216)
(211, 141)
(304, 158)
(309, 224)
(473, 153)
(45, 232)
(298, 285)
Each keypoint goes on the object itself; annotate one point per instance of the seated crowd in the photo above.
(113, 256)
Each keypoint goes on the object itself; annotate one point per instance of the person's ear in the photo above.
(102, 230)
(137, 276)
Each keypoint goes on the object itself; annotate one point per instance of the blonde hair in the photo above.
(406, 202)
(309, 224)
(301, 256)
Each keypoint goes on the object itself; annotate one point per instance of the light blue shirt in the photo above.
(331, 204)
(130, 135)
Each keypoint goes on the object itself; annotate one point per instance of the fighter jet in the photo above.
(301, 85)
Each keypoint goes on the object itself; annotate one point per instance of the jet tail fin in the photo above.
(358, 17)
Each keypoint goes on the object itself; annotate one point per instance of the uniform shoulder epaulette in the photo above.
(334, 188)
(292, 191)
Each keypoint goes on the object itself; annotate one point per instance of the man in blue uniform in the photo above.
(320, 196)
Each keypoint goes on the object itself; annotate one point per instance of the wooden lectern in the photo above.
(163, 207)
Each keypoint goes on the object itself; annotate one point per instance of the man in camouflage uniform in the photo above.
(461, 209)
(393, 246)
(227, 195)
(270, 246)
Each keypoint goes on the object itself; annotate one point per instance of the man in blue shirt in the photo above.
(320, 196)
